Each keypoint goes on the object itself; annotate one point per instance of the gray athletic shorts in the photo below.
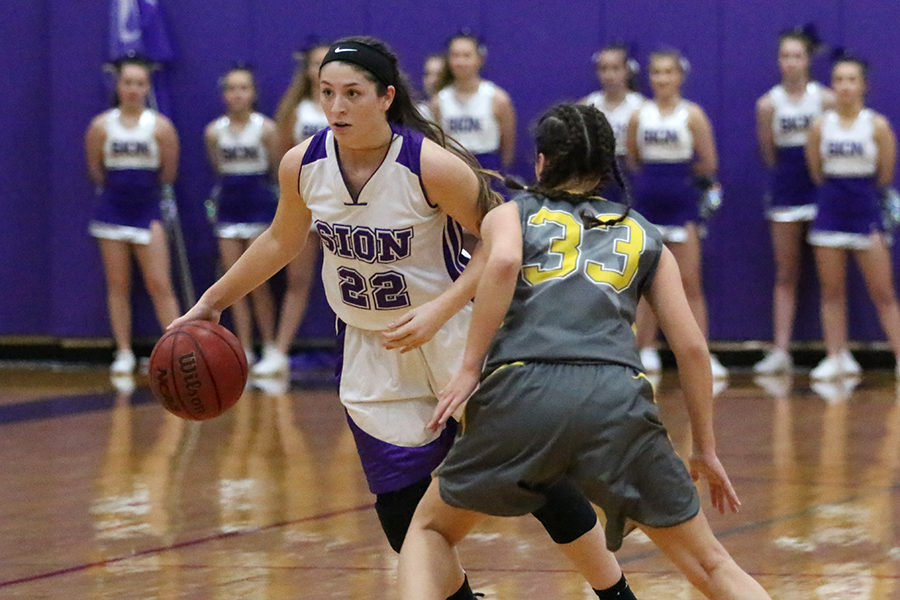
(531, 424)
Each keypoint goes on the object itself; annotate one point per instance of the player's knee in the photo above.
(567, 515)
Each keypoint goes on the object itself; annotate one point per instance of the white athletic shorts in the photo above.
(390, 395)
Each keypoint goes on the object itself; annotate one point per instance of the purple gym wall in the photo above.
(52, 276)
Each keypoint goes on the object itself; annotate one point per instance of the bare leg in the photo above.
(787, 247)
(831, 264)
(230, 250)
(264, 311)
(875, 264)
(117, 266)
(687, 255)
(155, 267)
(300, 274)
(704, 561)
(429, 566)
(590, 556)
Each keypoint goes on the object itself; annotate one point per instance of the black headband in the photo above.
(371, 59)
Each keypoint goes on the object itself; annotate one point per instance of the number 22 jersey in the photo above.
(387, 250)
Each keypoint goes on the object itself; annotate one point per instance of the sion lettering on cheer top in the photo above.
(240, 152)
(129, 148)
(794, 123)
(845, 148)
(464, 124)
(661, 136)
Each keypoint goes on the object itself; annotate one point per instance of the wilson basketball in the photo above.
(198, 370)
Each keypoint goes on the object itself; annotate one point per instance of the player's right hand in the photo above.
(199, 312)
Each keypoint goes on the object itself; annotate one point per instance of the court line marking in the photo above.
(180, 545)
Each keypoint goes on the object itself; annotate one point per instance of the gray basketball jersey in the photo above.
(578, 288)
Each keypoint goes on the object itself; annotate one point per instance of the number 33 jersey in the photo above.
(578, 288)
(387, 250)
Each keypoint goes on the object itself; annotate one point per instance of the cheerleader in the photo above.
(132, 150)
(670, 145)
(474, 111)
(298, 117)
(851, 152)
(783, 116)
(617, 100)
(242, 146)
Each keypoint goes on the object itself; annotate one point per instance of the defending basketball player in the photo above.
(536, 416)
(389, 196)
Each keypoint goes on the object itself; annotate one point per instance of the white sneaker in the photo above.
(777, 386)
(273, 386)
(251, 357)
(272, 363)
(124, 363)
(718, 371)
(836, 391)
(650, 360)
(849, 364)
(776, 361)
(124, 384)
(719, 386)
(830, 367)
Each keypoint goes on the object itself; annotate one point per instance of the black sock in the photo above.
(619, 591)
(464, 592)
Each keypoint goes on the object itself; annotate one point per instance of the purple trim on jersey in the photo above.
(246, 199)
(454, 259)
(317, 148)
(848, 204)
(791, 184)
(130, 197)
(665, 193)
(389, 468)
(410, 155)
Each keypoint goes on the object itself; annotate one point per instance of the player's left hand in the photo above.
(721, 492)
(452, 397)
(414, 328)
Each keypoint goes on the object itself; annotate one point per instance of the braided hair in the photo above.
(579, 149)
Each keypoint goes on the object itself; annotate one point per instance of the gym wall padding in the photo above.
(540, 53)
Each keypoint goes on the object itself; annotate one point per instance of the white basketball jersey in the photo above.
(471, 122)
(791, 119)
(131, 147)
(311, 119)
(618, 115)
(388, 250)
(850, 151)
(241, 152)
(664, 138)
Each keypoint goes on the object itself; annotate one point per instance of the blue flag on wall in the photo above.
(136, 27)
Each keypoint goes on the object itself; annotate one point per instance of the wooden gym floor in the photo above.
(104, 495)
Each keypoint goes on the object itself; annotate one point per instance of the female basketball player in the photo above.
(298, 117)
(472, 110)
(617, 100)
(670, 145)
(851, 152)
(387, 198)
(783, 116)
(536, 417)
(132, 150)
(242, 146)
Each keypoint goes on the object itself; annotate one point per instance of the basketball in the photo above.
(198, 370)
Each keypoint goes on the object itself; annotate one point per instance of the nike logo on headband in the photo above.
(336, 50)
